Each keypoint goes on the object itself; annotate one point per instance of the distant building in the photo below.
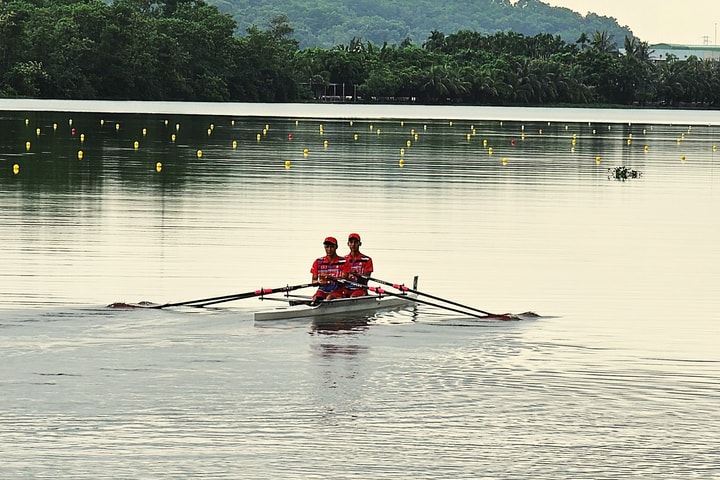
(660, 51)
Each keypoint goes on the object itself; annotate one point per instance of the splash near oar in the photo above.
(204, 302)
(403, 288)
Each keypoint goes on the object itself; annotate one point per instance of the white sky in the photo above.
(657, 21)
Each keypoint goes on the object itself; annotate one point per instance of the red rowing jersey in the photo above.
(361, 264)
(326, 266)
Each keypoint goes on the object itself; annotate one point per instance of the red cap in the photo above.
(354, 236)
(332, 240)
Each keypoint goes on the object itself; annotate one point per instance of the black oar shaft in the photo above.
(203, 302)
(403, 288)
(381, 291)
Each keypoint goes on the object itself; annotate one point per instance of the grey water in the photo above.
(502, 209)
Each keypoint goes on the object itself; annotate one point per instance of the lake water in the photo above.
(503, 209)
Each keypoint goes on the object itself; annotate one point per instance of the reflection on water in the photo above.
(518, 212)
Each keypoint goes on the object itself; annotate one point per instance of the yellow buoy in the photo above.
(540, 131)
(177, 126)
(504, 161)
(144, 132)
(102, 122)
(490, 151)
(199, 153)
(258, 137)
(136, 145)
(264, 132)
(82, 137)
(166, 122)
(484, 143)
(158, 167)
(467, 136)
(172, 137)
(16, 169)
(232, 122)
(647, 148)
(597, 159)
(682, 158)
(287, 164)
(117, 126)
(27, 121)
(412, 131)
(402, 151)
(351, 123)
(80, 155)
(371, 127)
(325, 143)
(69, 121)
(425, 127)
(27, 145)
(355, 137)
(401, 162)
(212, 126)
(37, 132)
(415, 137)
(408, 143)
(629, 141)
(714, 149)
(306, 152)
(451, 123)
(378, 131)
(234, 144)
(54, 126)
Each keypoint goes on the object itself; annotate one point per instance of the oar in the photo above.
(403, 288)
(380, 291)
(203, 302)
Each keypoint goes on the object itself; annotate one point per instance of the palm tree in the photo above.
(603, 42)
(583, 40)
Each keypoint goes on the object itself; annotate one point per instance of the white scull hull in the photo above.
(339, 307)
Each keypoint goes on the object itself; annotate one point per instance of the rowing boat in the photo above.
(338, 307)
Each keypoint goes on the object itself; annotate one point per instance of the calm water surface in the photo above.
(506, 210)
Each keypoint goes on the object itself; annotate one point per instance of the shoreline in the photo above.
(370, 111)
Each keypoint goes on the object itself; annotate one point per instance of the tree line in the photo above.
(186, 50)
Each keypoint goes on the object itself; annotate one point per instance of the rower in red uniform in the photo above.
(356, 264)
(325, 270)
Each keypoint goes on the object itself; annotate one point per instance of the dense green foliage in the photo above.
(188, 50)
(333, 22)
